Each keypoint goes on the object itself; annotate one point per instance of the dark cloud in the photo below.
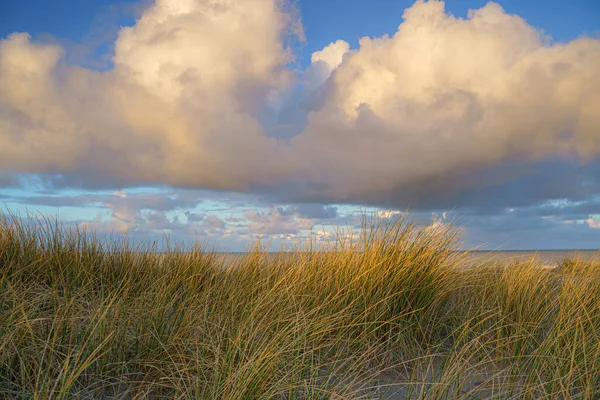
(510, 184)
(310, 210)
(153, 201)
(9, 180)
(529, 233)
(194, 217)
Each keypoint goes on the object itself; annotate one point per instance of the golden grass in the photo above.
(393, 315)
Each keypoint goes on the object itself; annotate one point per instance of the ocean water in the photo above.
(547, 258)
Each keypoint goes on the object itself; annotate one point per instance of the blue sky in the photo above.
(194, 126)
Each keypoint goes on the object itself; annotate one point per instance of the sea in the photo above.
(545, 258)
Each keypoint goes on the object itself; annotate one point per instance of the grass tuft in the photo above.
(396, 313)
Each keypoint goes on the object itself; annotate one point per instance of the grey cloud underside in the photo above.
(523, 231)
(509, 184)
(9, 180)
(564, 223)
(156, 202)
(556, 224)
(310, 210)
(478, 113)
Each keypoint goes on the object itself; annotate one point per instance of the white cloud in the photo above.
(332, 55)
(401, 113)
(323, 63)
(181, 101)
(445, 94)
(182, 48)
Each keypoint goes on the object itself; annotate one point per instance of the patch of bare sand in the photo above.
(428, 379)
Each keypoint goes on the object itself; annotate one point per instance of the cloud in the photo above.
(8, 180)
(332, 55)
(389, 214)
(527, 232)
(180, 103)
(233, 221)
(426, 109)
(436, 115)
(276, 222)
(323, 63)
(594, 222)
(163, 201)
(310, 210)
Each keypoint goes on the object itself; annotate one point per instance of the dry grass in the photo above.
(391, 316)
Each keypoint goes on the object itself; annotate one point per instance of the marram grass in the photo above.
(394, 314)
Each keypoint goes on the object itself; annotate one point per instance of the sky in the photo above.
(226, 121)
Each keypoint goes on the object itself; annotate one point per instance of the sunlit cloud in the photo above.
(442, 97)
(593, 222)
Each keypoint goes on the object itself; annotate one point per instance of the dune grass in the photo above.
(393, 315)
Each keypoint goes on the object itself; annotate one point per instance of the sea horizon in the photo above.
(546, 258)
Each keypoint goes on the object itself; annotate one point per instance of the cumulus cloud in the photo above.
(179, 106)
(422, 118)
(323, 63)
(444, 97)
